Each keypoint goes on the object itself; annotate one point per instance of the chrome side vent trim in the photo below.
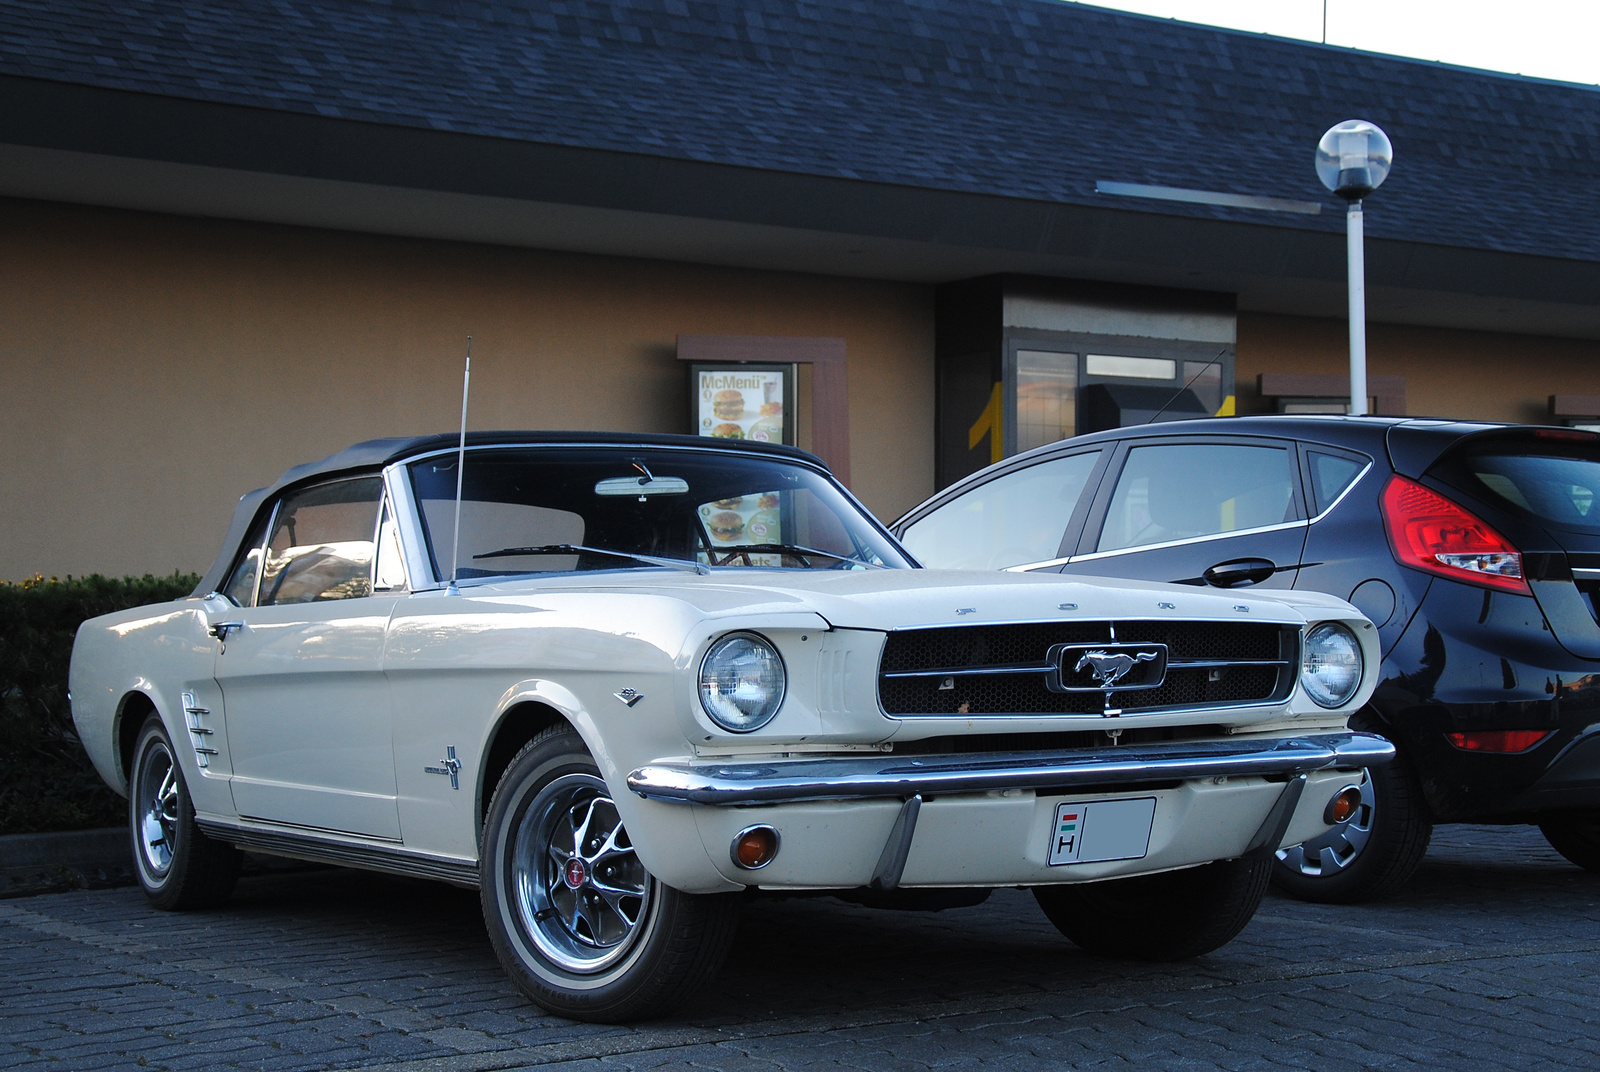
(194, 717)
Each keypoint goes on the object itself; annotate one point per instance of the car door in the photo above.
(1020, 517)
(299, 666)
(1224, 511)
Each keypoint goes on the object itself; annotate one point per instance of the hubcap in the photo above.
(1334, 851)
(157, 799)
(579, 888)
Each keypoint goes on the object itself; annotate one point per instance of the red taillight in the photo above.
(1432, 533)
(1497, 740)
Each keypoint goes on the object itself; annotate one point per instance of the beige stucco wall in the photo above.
(153, 368)
(1449, 373)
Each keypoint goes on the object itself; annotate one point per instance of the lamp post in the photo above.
(1353, 159)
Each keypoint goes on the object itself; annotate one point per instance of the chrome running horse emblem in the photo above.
(1109, 668)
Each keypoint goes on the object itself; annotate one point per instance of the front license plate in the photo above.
(1091, 831)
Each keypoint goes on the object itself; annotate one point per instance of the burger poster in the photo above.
(744, 402)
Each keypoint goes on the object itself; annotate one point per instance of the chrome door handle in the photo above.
(221, 630)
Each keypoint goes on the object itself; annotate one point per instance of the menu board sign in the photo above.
(744, 402)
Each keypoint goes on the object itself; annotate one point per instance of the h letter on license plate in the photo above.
(1092, 831)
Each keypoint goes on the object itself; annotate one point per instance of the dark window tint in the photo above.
(321, 545)
(1330, 475)
(1177, 491)
(1557, 490)
(1016, 518)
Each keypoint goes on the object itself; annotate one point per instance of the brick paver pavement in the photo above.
(1488, 961)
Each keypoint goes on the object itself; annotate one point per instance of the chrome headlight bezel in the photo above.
(717, 672)
(1315, 658)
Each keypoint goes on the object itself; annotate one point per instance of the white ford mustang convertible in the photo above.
(615, 682)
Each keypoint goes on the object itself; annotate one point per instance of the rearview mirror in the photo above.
(642, 486)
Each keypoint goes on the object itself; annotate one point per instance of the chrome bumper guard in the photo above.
(882, 776)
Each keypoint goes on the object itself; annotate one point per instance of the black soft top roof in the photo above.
(374, 454)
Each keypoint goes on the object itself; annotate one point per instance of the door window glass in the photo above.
(1016, 518)
(321, 545)
(1330, 475)
(1182, 490)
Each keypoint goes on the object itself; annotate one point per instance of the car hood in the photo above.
(888, 599)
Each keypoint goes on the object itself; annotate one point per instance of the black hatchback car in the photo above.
(1475, 549)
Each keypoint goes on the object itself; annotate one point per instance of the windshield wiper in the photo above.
(798, 550)
(575, 548)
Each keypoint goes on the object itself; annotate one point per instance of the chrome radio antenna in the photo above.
(461, 465)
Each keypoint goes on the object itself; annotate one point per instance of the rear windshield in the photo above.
(1555, 483)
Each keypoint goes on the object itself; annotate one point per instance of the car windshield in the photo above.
(551, 510)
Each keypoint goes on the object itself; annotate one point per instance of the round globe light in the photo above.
(1330, 665)
(742, 682)
(1353, 158)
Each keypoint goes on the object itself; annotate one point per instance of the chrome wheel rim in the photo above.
(580, 892)
(156, 796)
(1333, 852)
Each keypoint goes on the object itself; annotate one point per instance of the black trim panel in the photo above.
(307, 846)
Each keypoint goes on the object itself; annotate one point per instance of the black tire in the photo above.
(1370, 856)
(1169, 916)
(1575, 835)
(178, 866)
(573, 948)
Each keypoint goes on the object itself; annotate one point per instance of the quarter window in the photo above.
(1178, 491)
(389, 575)
(322, 543)
(1014, 519)
(241, 584)
(1330, 475)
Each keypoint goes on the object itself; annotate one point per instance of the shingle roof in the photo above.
(1033, 99)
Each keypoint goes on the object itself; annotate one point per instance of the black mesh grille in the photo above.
(976, 647)
(985, 645)
(1206, 640)
(989, 694)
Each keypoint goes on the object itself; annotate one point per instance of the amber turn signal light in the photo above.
(754, 847)
(1343, 806)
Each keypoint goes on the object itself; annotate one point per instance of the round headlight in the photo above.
(741, 682)
(1330, 668)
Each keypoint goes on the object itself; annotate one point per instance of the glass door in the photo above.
(1047, 398)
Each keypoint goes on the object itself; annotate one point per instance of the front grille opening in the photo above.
(1265, 653)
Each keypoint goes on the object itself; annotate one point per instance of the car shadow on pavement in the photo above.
(822, 957)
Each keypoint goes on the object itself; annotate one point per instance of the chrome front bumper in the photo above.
(883, 776)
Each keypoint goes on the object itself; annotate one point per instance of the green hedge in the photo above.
(46, 780)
